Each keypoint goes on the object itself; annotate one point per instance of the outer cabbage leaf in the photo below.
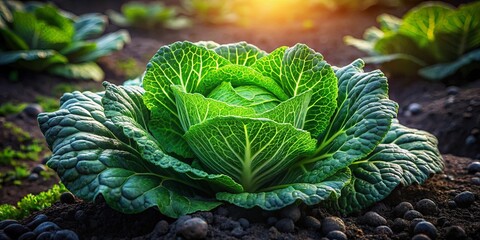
(362, 119)
(184, 64)
(93, 155)
(240, 53)
(89, 25)
(406, 156)
(87, 70)
(105, 45)
(299, 69)
(251, 151)
(443, 70)
(283, 195)
(36, 60)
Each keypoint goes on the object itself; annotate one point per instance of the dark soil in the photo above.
(454, 118)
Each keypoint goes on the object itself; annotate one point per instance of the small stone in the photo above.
(312, 223)
(473, 167)
(273, 233)
(38, 168)
(285, 225)
(45, 160)
(426, 228)
(5, 223)
(32, 110)
(399, 224)
(238, 232)
(427, 207)
(65, 235)
(4, 236)
(229, 224)
(46, 227)
(15, 230)
(28, 236)
(194, 228)
(415, 108)
(402, 208)
(470, 140)
(271, 221)
(244, 223)
(412, 214)
(45, 236)
(292, 212)
(414, 223)
(455, 232)
(453, 90)
(161, 228)
(475, 181)
(421, 237)
(372, 219)
(452, 204)
(464, 199)
(337, 235)
(33, 177)
(331, 224)
(67, 197)
(449, 101)
(384, 230)
(37, 220)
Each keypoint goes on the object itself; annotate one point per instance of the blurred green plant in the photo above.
(42, 38)
(31, 203)
(11, 108)
(211, 11)
(28, 149)
(434, 40)
(149, 15)
(129, 68)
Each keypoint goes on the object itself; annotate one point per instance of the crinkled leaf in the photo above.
(293, 111)
(310, 194)
(184, 64)
(240, 53)
(299, 69)
(251, 151)
(88, 70)
(89, 25)
(105, 45)
(362, 119)
(443, 70)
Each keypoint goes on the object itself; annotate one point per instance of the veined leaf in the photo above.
(300, 69)
(89, 25)
(105, 45)
(251, 151)
(240, 53)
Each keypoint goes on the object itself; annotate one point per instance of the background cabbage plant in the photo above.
(231, 123)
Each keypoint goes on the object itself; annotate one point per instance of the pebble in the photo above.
(37, 220)
(455, 232)
(28, 236)
(15, 230)
(414, 223)
(451, 204)
(38, 168)
(238, 232)
(229, 224)
(65, 235)
(312, 223)
(415, 108)
(33, 177)
(473, 167)
(412, 214)
(285, 225)
(194, 228)
(45, 160)
(464, 199)
(4, 236)
(427, 207)
(32, 110)
(67, 197)
(470, 140)
(46, 227)
(402, 208)
(45, 236)
(453, 90)
(331, 224)
(161, 228)
(372, 219)
(421, 237)
(292, 212)
(5, 223)
(399, 224)
(384, 230)
(426, 228)
(271, 221)
(337, 235)
(475, 181)
(244, 223)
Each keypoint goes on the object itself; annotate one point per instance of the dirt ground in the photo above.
(452, 116)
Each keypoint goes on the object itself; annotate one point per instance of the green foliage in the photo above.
(28, 147)
(129, 68)
(40, 37)
(433, 40)
(31, 203)
(209, 123)
(149, 15)
(211, 11)
(11, 108)
(48, 104)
